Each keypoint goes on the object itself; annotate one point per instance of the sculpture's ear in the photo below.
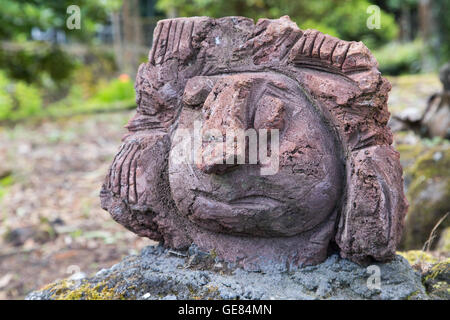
(129, 193)
(344, 83)
(136, 191)
(372, 217)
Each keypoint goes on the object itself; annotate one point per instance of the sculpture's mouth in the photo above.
(255, 201)
(227, 216)
(251, 202)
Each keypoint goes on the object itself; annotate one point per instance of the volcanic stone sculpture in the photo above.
(339, 183)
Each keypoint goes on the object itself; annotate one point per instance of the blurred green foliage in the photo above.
(399, 58)
(46, 78)
(114, 94)
(5, 182)
(350, 18)
(345, 19)
(20, 100)
(443, 20)
(19, 17)
(439, 39)
(121, 89)
(35, 61)
(118, 92)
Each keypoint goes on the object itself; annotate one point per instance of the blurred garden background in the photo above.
(66, 93)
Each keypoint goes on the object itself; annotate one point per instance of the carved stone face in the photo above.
(333, 176)
(237, 198)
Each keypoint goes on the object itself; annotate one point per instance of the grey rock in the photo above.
(158, 274)
(78, 276)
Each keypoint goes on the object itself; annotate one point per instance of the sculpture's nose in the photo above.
(219, 157)
(215, 168)
(224, 125)
(231, 117)
(224, 146)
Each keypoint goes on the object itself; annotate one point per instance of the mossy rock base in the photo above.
(416, 257)
(158, 273)
(437, 281)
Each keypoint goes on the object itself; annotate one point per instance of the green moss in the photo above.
(437, 279)
(411, 81)
(413, 296)
(5, 182)
(444, 241)
(213, 289)
(438, 269)
(67, 290)
(211, 292)
(417, 256)
(429, 165)
(213, 253)
(59, 287)
(428, 195)
(409, 153)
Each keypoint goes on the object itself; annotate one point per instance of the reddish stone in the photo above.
(339, 179)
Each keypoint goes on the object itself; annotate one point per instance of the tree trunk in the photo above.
(405, 24)
(117, 40)
(132, 36)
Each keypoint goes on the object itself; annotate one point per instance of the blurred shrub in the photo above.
(312, 24)
(97, 65)
(116, 94)
(19, 17)
(32, 61)
(346, 19)
(6, 101)
(116, 90)
(5, 182)
(397, 58)
(18, 100)
(443, 30)
(349, 19)
(29, 101)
